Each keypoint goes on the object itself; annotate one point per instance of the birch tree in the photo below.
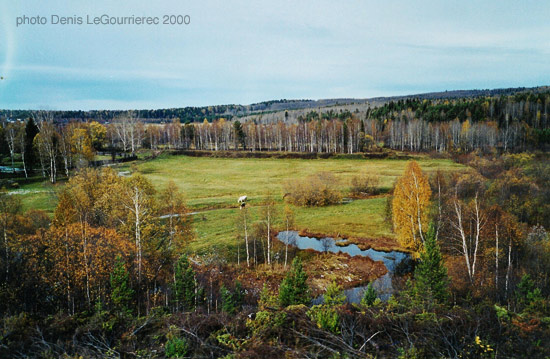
(178, 221)
(468, 221)
(138, 209)
(410, 203)
(288, 218)
(269, 216)
(11, 135)
(10, 207)
(243, 228)
(47, 143)
(65, 147)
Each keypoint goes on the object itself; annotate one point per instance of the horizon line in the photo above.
(363, 99)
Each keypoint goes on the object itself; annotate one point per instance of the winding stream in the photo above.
(383, 285)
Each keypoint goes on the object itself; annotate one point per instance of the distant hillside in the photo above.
(198, 114)
(465, 93)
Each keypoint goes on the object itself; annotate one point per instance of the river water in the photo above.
(383, 285)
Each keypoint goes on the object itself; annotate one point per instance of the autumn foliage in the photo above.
(91, 228)
(76, 260)
(314, 191)
(411, 199)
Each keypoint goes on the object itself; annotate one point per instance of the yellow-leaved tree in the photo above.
(411, 199)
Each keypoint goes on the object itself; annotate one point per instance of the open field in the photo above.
(36, 194)
(362, 218)
(212, 186)
(217, 182)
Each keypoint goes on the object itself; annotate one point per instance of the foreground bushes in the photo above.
(176, 348)
(316, 190)
(385, 330)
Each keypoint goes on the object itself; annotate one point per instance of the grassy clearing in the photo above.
(37, 195)
(218, 182)
(102, 157)
(362, 218)
(212, 186)
(45, 201)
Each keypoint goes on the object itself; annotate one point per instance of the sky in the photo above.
(242, 52)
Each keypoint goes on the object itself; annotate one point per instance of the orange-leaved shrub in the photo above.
(320, 189)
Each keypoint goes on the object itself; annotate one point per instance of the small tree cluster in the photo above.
(232, 301)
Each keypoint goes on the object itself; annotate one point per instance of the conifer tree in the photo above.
(294, 289)
(334, 295)
(228, 300)
(326, 315)
(121, 292)
(238, 295)
(240, 136)
(431, 280)
(31, 130)
(232, 301)
(184, 284)
(369, 297)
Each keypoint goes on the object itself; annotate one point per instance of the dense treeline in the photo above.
(513, 123)
(39, 145)
(186, 114)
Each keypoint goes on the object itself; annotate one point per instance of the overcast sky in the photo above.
(250, 51)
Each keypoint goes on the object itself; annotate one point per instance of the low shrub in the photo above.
(176, 348)
(364, 185)
(314, 191)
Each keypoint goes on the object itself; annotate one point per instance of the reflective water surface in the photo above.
(383, 285)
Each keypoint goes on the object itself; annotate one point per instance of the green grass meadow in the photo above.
(213, 185)
(217, 182)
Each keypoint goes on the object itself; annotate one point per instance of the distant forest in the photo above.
(198, 114)
(505, 123)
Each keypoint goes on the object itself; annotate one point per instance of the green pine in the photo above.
(228, 300)
(294, 288)
(334, 295)
(431, 280)
(369, 297)
(184, 284)
(121, 292)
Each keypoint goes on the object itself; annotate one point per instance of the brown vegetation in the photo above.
(314, 191)
(343, 269)
(384, 244)
(364, 185)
